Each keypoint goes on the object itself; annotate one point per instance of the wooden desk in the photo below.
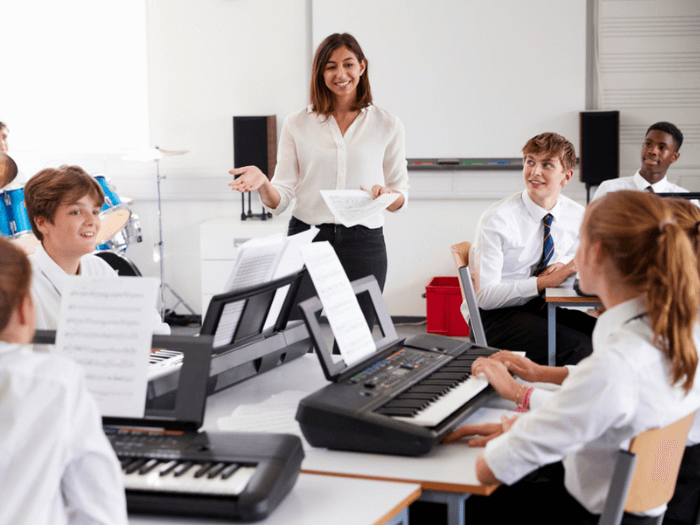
(561, 297)
(321, 499)
(447, 472)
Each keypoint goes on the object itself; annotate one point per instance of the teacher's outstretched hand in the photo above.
(252, 179)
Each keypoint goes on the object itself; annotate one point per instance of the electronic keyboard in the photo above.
(163, 362)
(401, 399)
(169, 466)
(404, 404)
(241, 476)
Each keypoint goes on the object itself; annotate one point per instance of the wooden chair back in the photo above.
(659, 452)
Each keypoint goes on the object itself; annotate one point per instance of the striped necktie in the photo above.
(548, 248)
(649, 189)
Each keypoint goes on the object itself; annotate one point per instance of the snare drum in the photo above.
(130, 234)
(14, 221)
(114, 213)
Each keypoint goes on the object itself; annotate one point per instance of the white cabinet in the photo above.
(219, 241)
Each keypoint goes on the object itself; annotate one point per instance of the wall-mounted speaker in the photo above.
(255, 143)
(599, 149)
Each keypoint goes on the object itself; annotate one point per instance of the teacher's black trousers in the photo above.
(361, 252)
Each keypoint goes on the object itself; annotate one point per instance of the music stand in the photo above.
(155, 155)
(238, 317)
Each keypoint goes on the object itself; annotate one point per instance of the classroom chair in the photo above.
(645, 475)
(460, 255)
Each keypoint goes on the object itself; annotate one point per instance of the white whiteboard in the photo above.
(469, 78)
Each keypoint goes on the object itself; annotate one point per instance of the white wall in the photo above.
(211, 59)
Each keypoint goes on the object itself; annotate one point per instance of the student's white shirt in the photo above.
(57, 467)
(508, 248)
(619, 391)
(313, 155)
(47, 284)
(637, 183)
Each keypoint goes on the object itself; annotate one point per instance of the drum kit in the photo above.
(120, 226)
(14, 222)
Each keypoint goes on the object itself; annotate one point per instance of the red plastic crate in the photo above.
(444, 298)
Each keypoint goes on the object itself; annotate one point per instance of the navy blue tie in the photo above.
(548, 248)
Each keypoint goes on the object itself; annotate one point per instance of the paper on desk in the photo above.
(351, 207)
(339, 302)
(290, 261)
(275, 414)
(105, 325)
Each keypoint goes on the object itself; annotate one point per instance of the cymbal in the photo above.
(152, 154)
(8, 170)
(172, 152)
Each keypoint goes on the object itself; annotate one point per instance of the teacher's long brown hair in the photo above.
(640, 235)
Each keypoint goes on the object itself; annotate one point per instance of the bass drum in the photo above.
(123, 266)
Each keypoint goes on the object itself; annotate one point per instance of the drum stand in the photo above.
(159, 244)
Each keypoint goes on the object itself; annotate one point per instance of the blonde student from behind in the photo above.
(57, 466)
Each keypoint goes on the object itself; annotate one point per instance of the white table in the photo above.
(561, 297)
(447, 472)
(322, 500)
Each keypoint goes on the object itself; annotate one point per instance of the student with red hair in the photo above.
(635, 256)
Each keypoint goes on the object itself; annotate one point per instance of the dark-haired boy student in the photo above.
(660, 149)
(524, 244)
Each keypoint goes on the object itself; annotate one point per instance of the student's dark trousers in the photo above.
(361, 252)
(539, 497)
(683, 507)
(524, 328)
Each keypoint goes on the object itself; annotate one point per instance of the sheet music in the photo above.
(256, 262)
(351, 207)
(105, 325)
(228, 323)
(290, 261)
(339, 302)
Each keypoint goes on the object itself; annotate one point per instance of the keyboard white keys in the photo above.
(445, 405)
(187, 482)
(163, 362)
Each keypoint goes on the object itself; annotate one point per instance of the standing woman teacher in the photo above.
(340, 141)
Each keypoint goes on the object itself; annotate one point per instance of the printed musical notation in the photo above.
(105, 325)
(351, 207)
(339, 302)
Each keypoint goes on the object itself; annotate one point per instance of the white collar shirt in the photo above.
(47, 286)
(508, 247)
(637, 183)
(314, 155)
(619, 391)
(57, 466)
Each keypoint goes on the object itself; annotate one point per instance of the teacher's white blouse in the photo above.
(313, 155)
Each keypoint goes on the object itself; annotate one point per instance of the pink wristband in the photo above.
(526, 401)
